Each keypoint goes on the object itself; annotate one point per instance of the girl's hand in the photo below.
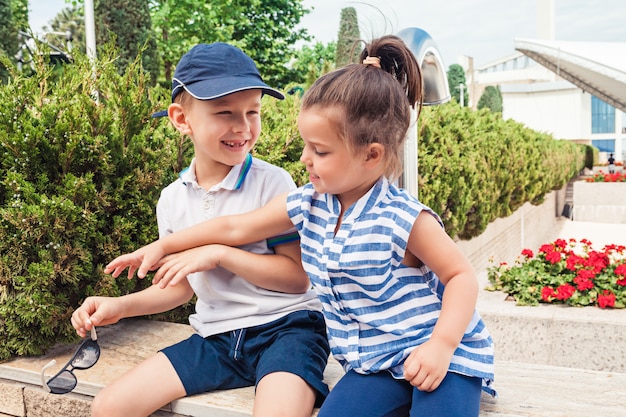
(143, 260)
(427, 365)
(174, 268)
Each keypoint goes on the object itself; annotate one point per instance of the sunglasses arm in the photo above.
(44, 383)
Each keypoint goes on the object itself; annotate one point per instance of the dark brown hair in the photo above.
(370, 104)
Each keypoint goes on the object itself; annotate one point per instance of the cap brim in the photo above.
(162, 113)
(216, 88)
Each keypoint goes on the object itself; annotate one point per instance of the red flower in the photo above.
(560, 243)
(528, 253)
(564, 291)
(546, 248)
(621, 282)
(553, 257)
(547, 294)
(621, 270)
(607, 299)
(573, 261)
(583, 283)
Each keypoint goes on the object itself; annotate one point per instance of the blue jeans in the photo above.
(380, 395)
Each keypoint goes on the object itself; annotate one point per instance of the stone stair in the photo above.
(528, 382)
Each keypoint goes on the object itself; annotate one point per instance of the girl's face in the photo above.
(333, 168)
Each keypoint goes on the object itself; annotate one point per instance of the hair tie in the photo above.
(372, 60)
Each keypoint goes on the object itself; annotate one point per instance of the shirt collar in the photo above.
(363, 204)
(232, 181)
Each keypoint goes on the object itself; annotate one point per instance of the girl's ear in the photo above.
(374, 154)
(177, 116)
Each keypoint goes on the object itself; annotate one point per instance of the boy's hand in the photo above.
(427, 365)
(143, 260)
(175, 267)
(96, 311)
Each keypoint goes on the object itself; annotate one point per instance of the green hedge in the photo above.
(79, 181)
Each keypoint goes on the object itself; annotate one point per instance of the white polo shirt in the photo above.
(227, 301)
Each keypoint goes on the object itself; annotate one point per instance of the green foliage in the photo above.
(19, 11)
(491, 99)
(79, 180)
(456, 77)
(347, 41)
(8, 36)
(266, 30)
(127, 23)
(476, 167)
(313, 62)
(280, 143)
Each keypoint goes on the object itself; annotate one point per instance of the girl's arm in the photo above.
(262, 223)
(428, 364)
(280, 272)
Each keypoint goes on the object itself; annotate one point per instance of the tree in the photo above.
(8, 33)
(456, 77)
(128, 23)
(69, 19)
(347, 40)
(264, 29)
(491, 99)
(312, 62)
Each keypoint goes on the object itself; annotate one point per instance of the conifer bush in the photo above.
(81, 167)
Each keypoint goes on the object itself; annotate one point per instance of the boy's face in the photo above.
(224, 130)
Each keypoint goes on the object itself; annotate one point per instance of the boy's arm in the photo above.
(262, 223)
(280, 272)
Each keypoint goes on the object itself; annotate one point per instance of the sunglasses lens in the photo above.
(62, 383)
(87, 355)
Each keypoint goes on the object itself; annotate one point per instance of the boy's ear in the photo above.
(374, 154)
(177, 116)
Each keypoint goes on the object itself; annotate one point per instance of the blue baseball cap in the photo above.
(211, 71)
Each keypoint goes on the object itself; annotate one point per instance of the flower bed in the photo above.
(565, 272)
(602, 176)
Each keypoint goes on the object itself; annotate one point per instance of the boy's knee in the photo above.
(105, 406)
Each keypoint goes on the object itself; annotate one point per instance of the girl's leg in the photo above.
(457, 396)
(141, 391)
(373, 395)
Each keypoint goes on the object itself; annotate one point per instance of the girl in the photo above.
(398, 295)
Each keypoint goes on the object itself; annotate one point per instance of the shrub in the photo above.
(79, 178)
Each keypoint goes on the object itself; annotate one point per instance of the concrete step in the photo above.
(525, 389)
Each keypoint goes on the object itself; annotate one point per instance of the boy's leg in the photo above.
(291, 355)
(283, 394)
(141, 391)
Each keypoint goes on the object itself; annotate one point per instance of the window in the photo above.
(604, 145)
(602, 116)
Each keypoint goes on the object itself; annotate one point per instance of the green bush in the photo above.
(79, 178)
(475, 167)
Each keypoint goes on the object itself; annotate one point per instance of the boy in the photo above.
(257, 321)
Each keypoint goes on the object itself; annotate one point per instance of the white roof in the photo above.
(598, 68)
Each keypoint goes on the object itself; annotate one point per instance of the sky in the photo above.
(482, 29)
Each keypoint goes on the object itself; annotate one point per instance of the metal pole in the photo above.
(90, 30)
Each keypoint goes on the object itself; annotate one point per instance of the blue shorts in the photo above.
(295, 343)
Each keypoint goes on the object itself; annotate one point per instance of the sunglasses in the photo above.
(85, 357)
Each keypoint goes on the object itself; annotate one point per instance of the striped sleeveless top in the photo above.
(377, 310)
